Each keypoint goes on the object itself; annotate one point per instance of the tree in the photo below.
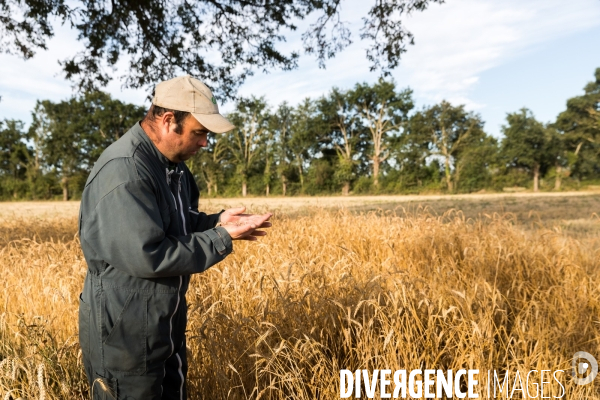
(305, 131)
(557, 155)
(251, 118)
(346, 133)
(382, 110)
(14, 156)
(38, 132)
(410, 150)
(268, 147)
(525, 144)
(79, 129)
(208, 163)
(281, 123)
(13, 149)
(453, 131)
(221, 42)
(580, 125)
(476, 163)
(41, 178)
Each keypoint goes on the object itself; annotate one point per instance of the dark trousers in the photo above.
(166, 381)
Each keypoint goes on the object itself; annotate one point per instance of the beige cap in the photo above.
(185, 93)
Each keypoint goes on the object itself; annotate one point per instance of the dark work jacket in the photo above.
(142, 236)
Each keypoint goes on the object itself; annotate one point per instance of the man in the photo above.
(142, 237)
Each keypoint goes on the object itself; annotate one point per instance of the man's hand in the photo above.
(242, 226)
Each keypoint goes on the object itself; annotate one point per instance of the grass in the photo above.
(333, 289)
(575, 216)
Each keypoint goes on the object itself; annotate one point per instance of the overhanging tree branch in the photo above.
(220, 42)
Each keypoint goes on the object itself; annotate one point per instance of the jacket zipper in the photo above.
(180, 206)
(172, 315)
(180, 203)
(180, 280)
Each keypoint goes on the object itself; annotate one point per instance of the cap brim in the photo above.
(214, 122)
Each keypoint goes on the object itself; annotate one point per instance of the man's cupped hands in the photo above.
(242, 226)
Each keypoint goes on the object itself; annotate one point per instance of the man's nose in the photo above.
(203, 142)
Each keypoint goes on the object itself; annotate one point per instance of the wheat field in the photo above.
(327, 290)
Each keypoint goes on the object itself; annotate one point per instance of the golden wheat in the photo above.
(328, 291)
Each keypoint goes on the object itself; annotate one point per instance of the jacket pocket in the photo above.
(124, 331)
(84, 326)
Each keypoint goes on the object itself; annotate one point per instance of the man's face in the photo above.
(182, 146)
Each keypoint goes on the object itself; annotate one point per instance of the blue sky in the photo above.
(494, 56)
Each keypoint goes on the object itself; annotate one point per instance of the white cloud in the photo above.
(454, 44)
(457, 41)
(22, 82)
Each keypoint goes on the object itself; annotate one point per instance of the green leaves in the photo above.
(525, 139)
(342, 141)
(72, 133)
(529, 144)
(447, 132)
(14, 153)
(580, 125)
(220, 42)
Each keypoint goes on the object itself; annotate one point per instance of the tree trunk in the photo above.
(557, 182)
(456, 178)
(283, 186)
(31, 175)
(301, 174)
(268, 187)
(448, 174)
(375, 171)
(536, 177)
(65, 188)
(346, 189)
(209, 186)
(244, 188)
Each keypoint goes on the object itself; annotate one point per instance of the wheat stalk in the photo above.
(325, 291)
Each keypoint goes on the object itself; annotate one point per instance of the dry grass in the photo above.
(327, 291)
(49, 209)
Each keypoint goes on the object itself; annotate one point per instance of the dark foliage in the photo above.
(221, 42)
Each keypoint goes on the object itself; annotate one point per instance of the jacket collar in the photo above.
(149, 145)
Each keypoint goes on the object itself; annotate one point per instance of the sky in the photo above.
(493, 56)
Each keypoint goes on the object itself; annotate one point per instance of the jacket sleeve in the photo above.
(126, 231)
(200, 221)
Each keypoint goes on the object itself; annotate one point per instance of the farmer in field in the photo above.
(143, 236)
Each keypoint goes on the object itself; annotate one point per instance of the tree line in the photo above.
(366, 139)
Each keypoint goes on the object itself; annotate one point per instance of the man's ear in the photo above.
(167, 119)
